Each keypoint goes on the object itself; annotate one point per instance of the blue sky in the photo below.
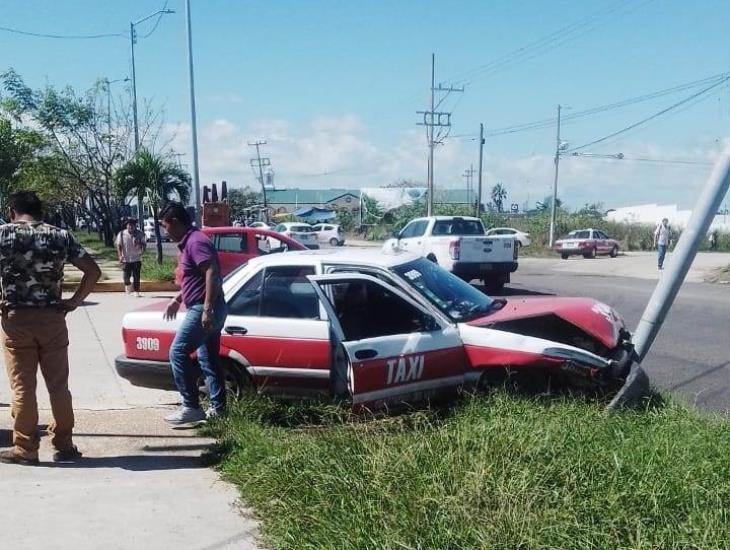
(334, 86)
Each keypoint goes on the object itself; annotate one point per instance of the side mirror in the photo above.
(396, 234)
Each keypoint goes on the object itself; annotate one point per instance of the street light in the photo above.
(133, 41)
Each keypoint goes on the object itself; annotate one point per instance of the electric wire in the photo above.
(548, 122)
(62, 36)
(650, 118)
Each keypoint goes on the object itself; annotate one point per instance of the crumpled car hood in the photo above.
(591, 316)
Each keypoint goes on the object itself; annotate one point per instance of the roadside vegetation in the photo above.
(151, 269)
(379, 225)
(497, 471)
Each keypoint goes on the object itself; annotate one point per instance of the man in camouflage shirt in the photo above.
(32, 257)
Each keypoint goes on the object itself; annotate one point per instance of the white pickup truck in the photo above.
(459, 244)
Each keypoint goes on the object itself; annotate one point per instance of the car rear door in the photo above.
(389, 349)
(276, 328)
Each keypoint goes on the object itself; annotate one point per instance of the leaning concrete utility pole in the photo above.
(479, 184)
(555, 185)
(193, 117)
(666, 290)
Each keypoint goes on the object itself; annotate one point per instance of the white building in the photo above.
(654, 213)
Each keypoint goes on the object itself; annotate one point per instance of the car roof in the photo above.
(445, 218)
(363, 256)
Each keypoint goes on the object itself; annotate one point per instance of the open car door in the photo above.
(390, 349)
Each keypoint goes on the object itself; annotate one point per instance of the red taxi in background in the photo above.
(589, 243)
(237, 245)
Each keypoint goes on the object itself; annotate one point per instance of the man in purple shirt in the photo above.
(202, 294)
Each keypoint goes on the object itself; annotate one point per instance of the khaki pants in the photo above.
(33, 337)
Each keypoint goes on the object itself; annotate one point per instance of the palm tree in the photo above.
(156, 178)
(499, 193)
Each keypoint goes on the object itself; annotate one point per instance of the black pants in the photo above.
(132, 270)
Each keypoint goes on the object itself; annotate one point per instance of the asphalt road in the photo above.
(691, 355)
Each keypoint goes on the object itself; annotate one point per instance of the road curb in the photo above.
(118, 286)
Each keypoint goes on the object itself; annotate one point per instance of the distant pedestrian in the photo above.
(130, 247)
(661, 241)
(200, 331)
(713, 240)
(32, 256)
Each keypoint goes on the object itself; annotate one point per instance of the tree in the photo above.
(89, 137)
(158, 179)
(498, 195)
(241, 200)
(18, 148)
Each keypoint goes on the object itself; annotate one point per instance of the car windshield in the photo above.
(457, 299)
(301, 228)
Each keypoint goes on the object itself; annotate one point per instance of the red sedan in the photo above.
(237, 245)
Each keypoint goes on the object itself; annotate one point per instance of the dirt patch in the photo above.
(720, 276)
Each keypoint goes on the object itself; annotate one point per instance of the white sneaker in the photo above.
(138, 294)
(211, 413)
(185, 415)
(128, 289)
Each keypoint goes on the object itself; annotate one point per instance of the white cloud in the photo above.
(338, 152)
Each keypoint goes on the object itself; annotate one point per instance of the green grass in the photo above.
(151, 270)
(498, 471)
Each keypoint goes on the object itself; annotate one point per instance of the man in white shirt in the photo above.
(131, 246)
(661, 241)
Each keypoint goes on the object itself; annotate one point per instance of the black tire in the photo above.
(591, 254)
(614, 251)
(565, 256)
(237, 380)
(334, 242)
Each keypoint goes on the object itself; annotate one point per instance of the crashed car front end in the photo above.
(582, 340)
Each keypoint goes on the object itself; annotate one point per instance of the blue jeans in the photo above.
(662, 249)
(191, 336)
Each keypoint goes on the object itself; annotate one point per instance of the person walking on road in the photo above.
(34, 332)
(131, 246)
(202, 294)
(661, 241)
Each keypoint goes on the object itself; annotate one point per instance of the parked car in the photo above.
(299, 232)
(149, 231)
(381, 329)
(237, 245)
(587, 242)
(522, 238)
(459, 244)
(329, 233)
(261, 225)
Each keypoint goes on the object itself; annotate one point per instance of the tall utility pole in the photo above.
(259, 163)
(133, 41)
(481, 157)
(555, 185)
(435, 119)
(193, 117)
(469, 176)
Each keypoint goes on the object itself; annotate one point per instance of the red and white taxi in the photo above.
(587, 242)
(377, 328)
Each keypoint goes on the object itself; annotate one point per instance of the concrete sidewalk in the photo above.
(140, 483)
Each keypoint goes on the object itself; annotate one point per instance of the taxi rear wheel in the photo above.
(236, 379)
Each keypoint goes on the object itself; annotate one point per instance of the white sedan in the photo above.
(329, 233)
(520, 236)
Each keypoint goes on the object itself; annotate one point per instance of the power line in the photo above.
(652, 117)
(157, 22)
(622, 157)
(62, 36)
(548, 122)
(551, 41)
